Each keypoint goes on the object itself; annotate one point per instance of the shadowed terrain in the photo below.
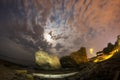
(105, 70)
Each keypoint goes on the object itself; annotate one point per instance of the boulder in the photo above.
(46, 61)
(80, 56)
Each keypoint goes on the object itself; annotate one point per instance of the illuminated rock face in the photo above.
(79, 56)
(47, 61)
(109, 51)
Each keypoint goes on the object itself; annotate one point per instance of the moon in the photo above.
(48, 38)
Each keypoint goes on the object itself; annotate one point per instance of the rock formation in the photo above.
(79, 56)
(67, 62)
(46, 61)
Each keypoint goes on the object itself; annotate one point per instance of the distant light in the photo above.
(91, 50)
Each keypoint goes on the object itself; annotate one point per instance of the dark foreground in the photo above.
(106, 70)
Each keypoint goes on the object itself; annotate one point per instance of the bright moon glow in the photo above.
(48, 38)
(91, 50)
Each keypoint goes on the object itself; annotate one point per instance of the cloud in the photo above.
(74, 23)
(13, 52)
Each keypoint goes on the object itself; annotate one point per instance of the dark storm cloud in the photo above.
(20, 36)
(16, 53)
(58, 46)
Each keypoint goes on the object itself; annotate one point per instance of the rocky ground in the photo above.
(10, 71)
(106, 70)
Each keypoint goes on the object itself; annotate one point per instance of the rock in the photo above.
(67, 62)
(80, 56)
(46, 61)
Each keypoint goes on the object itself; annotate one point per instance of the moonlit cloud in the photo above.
(62, 26)
(84, 23)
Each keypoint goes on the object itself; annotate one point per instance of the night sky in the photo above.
(56, 26)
